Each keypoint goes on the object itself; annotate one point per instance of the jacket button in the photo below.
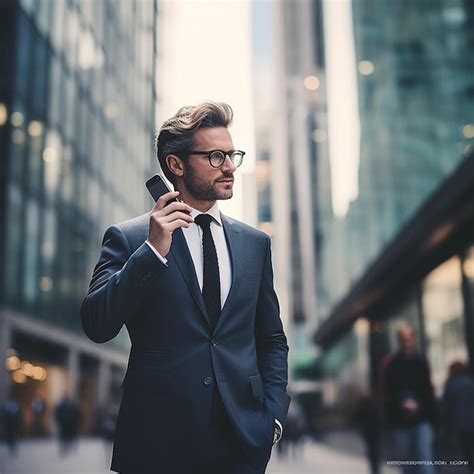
(207, 381)
(214, 343)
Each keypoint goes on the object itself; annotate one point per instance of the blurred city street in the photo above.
(338, 132)
(42, 457)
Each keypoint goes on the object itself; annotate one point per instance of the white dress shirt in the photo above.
(193, 236)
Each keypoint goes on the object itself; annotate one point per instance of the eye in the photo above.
(217, 156)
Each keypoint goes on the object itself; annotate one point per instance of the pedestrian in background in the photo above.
(458, 410)
(295, 431)
(410, 402)
(67, 418)
(367, 419)
(106, 420)
(11, 421)
(38, 409)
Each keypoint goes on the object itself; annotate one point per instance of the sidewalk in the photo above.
(319, 458)
(92, 456)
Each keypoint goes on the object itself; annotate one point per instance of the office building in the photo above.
(291, 143)
(77, 118)
(407, 236)
(400, 247)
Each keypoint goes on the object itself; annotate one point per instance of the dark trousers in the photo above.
(373, 452)
(221, 453)
(466, 440)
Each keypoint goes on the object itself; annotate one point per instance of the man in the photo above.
(68, 418)
(205, 388)
(458, 410)
(11, 422)
(410, 402)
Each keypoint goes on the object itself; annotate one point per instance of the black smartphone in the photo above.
(157, 187)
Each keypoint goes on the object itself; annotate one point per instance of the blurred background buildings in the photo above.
(77, 100)
(397, 246)
(363, 176)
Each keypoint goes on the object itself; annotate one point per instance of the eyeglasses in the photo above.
(217, 157)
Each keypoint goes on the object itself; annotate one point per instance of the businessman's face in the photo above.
(202, 181)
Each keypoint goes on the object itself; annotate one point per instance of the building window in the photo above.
(444, 323)
(30, 272)
(14, 245)
(23, 53)
(18, 140)
(52, 164)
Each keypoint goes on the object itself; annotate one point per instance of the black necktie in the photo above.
(211, 287)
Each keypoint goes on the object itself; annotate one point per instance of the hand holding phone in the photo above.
(167, 215)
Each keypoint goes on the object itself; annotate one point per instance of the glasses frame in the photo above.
(228, 153)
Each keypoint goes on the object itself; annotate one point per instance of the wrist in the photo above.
(156, 251)
(157, 247)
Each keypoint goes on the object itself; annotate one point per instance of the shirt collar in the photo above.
(213, 212)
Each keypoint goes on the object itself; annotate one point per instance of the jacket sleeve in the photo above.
(272, 348)
(120, 281)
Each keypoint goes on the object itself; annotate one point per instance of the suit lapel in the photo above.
(180, 254)
(234, 241)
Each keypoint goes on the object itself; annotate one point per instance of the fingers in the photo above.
(165, 208)
(176, 206)
(177, 215)
(165, 199)
(173, 225)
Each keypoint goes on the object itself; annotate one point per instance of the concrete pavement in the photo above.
(318, 458)
(92, 456)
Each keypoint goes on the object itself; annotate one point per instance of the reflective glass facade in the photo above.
(414, 84)
(77, 110)
(416, 96)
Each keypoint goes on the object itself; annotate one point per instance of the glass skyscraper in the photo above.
(415, 101)
(403, 244)
(402, 249)
(290, 117)
(77, 118)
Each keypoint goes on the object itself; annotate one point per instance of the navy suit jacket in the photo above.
(176, 357)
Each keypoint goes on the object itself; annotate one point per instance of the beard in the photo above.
(204, 190)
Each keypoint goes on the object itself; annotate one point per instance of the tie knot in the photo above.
(203, 220)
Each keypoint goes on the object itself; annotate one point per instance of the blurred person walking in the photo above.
(368, 420)
(106, 420)
(68, 418)
(458, 410)
(410, 402)
(295, 430)
(38, 408)
(11, 415)
(205, 388)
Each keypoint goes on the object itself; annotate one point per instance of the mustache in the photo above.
(226, 176)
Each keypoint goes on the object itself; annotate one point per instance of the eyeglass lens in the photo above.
(218, 157)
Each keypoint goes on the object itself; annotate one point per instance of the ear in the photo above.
(175, 164)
